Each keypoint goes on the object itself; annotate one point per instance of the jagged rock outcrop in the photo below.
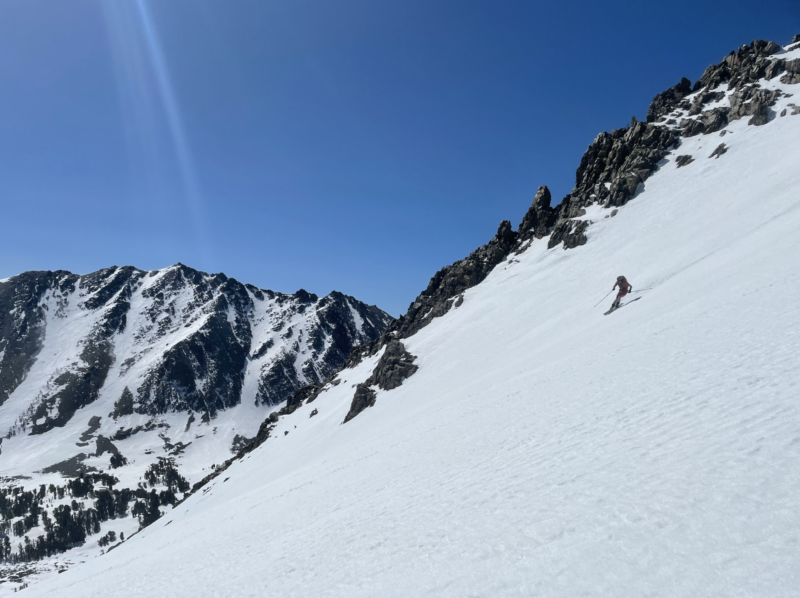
(447, 283)
(615, 165)
(701, 99)
(691, 127)
(709, 121)
(714, 120)
(746, 65)
(774, 68)
(395, 365)
(539, 219)
(364, 398)
(666, 101)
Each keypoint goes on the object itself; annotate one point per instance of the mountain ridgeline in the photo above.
(164, 341)
(613, 171)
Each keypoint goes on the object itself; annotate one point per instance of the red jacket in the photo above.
(624, 286)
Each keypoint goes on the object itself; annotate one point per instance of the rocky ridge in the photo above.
(614, 168)
(612, 172)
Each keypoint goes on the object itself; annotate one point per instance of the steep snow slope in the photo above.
(541, 448)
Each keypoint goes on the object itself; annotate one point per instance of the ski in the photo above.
(623, 305)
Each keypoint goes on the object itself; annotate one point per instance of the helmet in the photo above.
(620, 278)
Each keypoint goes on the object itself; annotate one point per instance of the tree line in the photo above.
(94, 501)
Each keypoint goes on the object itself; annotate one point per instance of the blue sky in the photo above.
(356, 145)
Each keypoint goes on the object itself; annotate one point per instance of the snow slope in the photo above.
(543, 449)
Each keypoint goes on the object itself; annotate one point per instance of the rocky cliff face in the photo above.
(174, 340)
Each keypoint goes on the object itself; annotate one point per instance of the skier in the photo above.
(624, 288)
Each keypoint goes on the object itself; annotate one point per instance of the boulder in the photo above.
(721, 149)
(774, 68)
(692, 128)
(760, 115)
(714, 75)
(714, 120)
(765, 48)
(394, 366)
(363, 398)
(752, 101)
(792, 75)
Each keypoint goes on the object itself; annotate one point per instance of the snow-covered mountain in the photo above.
(123, 362)
(504, 438)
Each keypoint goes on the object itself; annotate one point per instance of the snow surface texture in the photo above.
(543, 449)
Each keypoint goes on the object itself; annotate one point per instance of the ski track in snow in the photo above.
(542, 449)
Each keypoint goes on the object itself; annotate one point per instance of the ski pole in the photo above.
(641, 290)
(603, 299)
